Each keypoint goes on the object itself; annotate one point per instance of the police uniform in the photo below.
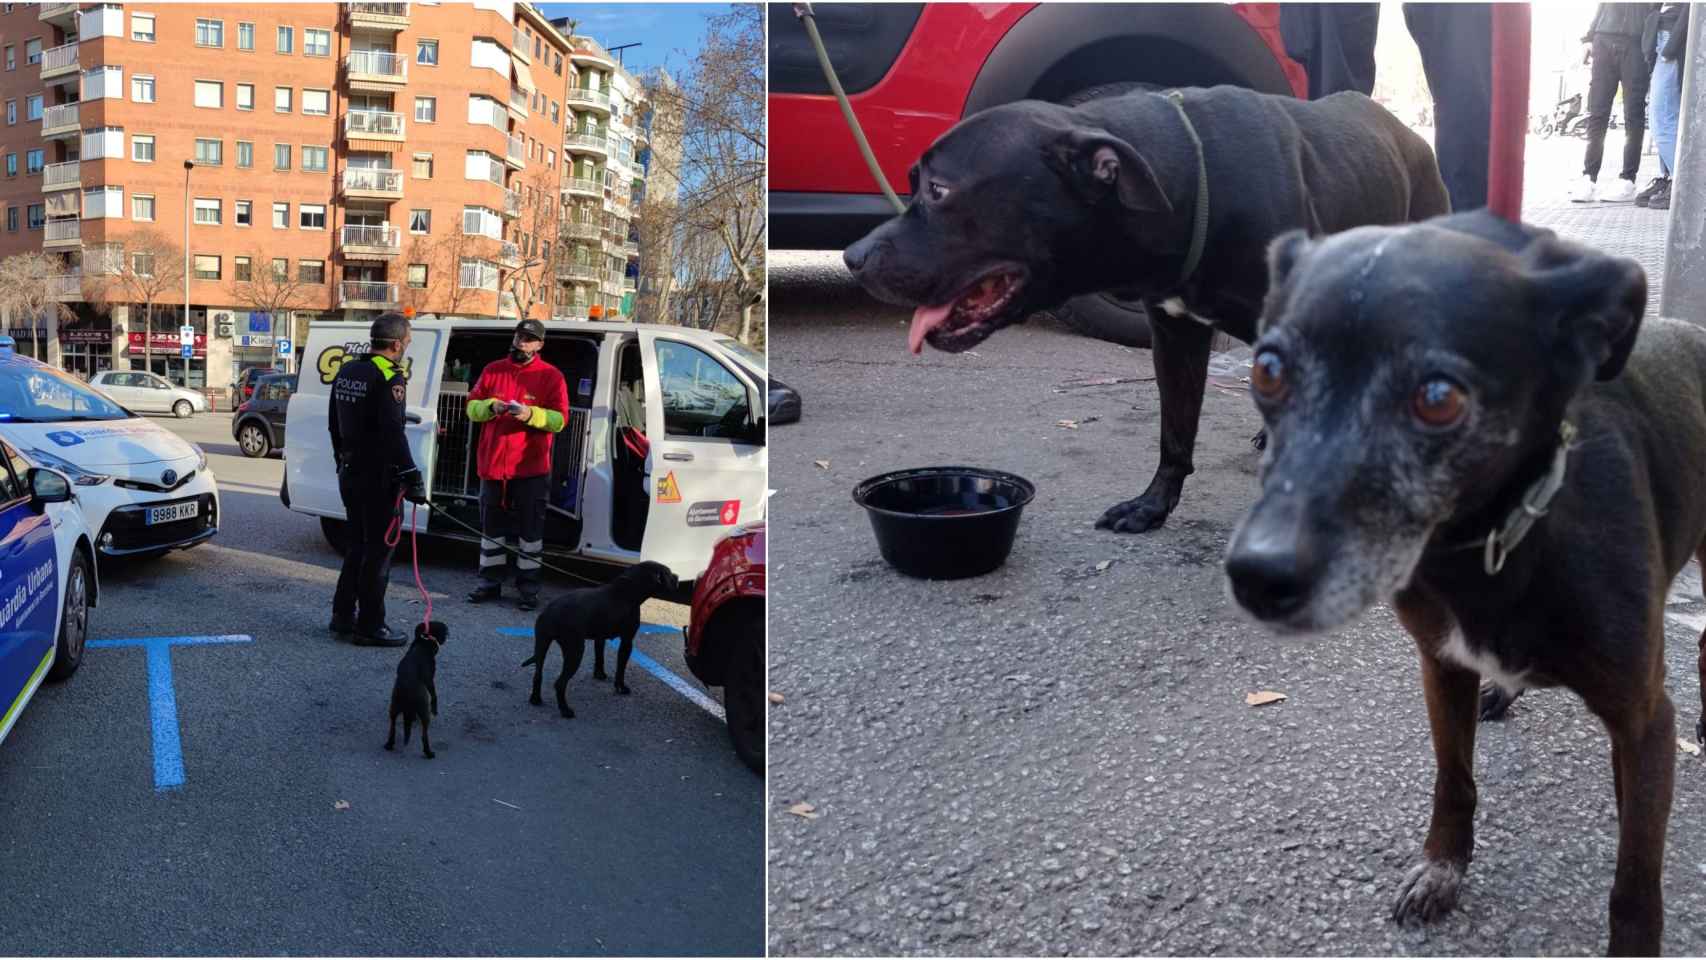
(374, 465)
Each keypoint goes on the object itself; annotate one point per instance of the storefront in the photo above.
(30, 342)
(252, 342)
(86, 346)
(168, 360)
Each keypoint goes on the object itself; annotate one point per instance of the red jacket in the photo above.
(509, 448)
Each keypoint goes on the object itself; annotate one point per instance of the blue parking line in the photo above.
(651, 666)
(163, 700)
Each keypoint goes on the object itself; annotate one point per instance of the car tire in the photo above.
(336, 533)
(253, 441)
(182, 409)
(743, 687)
(73, 620)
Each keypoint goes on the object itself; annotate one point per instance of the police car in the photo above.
(47, 576)
(143, 489)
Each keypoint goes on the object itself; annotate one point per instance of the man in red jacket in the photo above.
(523, 402)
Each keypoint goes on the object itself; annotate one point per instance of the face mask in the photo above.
(520, 356)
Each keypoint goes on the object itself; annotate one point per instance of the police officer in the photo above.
(374, 465)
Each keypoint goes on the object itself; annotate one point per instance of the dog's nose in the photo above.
(1269, 583)
(856, 255)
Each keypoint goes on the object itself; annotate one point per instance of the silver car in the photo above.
(143, 392)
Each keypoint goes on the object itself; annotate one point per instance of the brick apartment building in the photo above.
(375, 155)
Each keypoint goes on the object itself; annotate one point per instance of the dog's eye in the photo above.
(1267, 375)
(937, 191)
(1440, 403)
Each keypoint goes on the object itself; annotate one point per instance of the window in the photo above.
(316, 103)
(142, 207)
(314, 159)
(700, 395)
(102, 202)
(35, 215)
(418, 276)
(312, 216)
(245, 216)
(11, 164)
(281, 216)
(142, 264)
(33, 161)
(12, 219)
(245, 154)
(420, 221)
(311, 271)
(11, 112)
(209, 93)
(426, 52)
(245, 96)
(32, 51)
(482, 221)
(142, 89)
(208, 211)
(280, 269)
(242, 269)
(11, 57)
(210, 153)
(142, 148)
(423, 166)
(32, 107)
(245, 36)
(281, 99)
(286, 40)
(554, 111)
(206, 266)
(281, 156)
(426, 109)
(478, 274)
(317, 43)
(209, 33)
(142, 27)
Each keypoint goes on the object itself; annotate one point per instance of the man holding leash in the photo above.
(374, 465)
(523, 402)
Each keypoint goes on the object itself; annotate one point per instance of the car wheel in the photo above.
(73, 620)
(1101, 315)
(336, 533)
(182, 409)
(743, 688)
(253, 441)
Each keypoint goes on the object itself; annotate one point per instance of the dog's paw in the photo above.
(428, 754)
(1260, 440)
(1138, 515)
(1496, 702)
(536, 700)
(391, 745)
(623, 688)
(600, 675)
(1428, 892)
(1700, 731)
(568, 714)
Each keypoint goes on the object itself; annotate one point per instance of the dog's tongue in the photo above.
(924, 320)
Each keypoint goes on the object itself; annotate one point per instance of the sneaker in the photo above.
(1583, 191)
(1660, 200)
(1622, 191)
(1659, 183)
(484, 592)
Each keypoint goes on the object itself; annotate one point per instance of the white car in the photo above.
(143, 489)
(145, 392)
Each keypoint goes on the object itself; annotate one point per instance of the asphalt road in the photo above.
(1058, 757)
(632, 829)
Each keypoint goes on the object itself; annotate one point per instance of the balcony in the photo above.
(613, 278)
(571, 311)
(583, 98)
(62, 176)
(630, 284)
(516, 155)
(374, 125)
(60, 121)
(68, 287)
(509, 255)
(378, 71)
(587, 52)
(378, 16)
(370, 241)
(60, 61)
(578, 272)
(596, 144)
(366, 295)
(582, 187)
(512, 203)
(582, 230)
(62, 233)
(631, 248)
(374, 183)
(518, 104)
(59, 14)
(522, 48)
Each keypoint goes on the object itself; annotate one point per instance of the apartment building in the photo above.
(372, 156)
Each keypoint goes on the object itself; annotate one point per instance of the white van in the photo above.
(663, 452)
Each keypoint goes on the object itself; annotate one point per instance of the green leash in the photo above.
(1199, 231)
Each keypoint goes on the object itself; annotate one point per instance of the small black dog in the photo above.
(413, 696)
(596, 614)
(1467, 418)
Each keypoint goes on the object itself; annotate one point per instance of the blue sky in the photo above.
(669, 33)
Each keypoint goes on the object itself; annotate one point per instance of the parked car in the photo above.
(144, 392)
(143, 489)
(725, 636)
(243, 387)
(258, 422)
(912, 70)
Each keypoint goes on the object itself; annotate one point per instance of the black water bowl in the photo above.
(942, 523)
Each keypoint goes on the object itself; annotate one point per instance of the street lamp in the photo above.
(188, 166)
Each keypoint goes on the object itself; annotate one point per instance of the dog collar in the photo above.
(1199, 229)
(1536, 500)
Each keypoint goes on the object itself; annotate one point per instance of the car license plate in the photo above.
(177, 511)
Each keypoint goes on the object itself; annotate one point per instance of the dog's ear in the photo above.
(1596, 300)
(1284, 253)
(1094, 162)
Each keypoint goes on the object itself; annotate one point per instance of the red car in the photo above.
(912, 70)
(725, 636)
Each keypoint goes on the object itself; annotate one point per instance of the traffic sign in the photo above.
(187, 351)
(186, 335)
(283, 347)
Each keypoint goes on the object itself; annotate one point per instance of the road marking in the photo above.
(163, 700)
(651, 666)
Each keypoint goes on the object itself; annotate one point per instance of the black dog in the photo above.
(1024, 206)
(413, 696)
(1461, 420)
(596, 614)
